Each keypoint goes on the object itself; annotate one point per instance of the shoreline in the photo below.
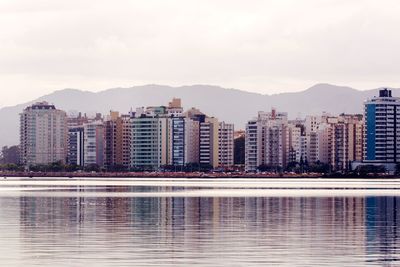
(179, 175)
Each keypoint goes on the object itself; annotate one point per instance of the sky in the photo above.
(265, 46)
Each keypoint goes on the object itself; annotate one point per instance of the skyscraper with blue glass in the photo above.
(382, 129)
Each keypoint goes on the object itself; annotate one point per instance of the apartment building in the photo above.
(225, 144)
(382, 128)
(94, 139)
(43, 134)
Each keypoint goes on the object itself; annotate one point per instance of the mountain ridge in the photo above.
(229, 104)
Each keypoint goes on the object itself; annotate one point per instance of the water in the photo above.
(174, 222)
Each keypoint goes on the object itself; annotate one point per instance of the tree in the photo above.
(397, 171)
(266, 168)
(10, 155)
(56, 166)
(72, 168)
(117, 168)
(11, 167)
(319, 167)
(38, 168)
(191, 167)
(293, 166)
(365, 170)
(92, 168)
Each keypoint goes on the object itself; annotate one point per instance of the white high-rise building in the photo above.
(226, 143)
(43, 134)
(76, 142)
(252, 145)
(267, 141)
(325, 137)
(94, 141)
(312, 123)
(312, 147)
(295, 141)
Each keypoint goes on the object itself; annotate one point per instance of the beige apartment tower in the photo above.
(43, 134)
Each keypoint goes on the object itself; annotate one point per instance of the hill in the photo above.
(231, 105)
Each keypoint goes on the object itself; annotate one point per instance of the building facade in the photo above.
(226, 142)
(113, 141)
(76, 140)
(94, 136)
(267, 141)
(43, 134)
(126, 140)
(382, 129)
(192, 145)
(149, 142)
(177, 144)
(208, 142)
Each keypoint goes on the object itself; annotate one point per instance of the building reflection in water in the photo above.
(382, 219)
(284, 229)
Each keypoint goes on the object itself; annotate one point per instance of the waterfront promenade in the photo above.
(177, 175)
(161, 174)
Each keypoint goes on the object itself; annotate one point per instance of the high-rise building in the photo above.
(276, 151)
(149, 141)
(347, 141)
(76, 146)
(192, 133)
(340, 141)
(325, 139)
(382, 128)
(252, 145)
(94, 136)
(267, 141)
(113, 140)
(312, 147)
(226, 143)
(177, 144)
(295, 135)
(126, 140)
(311, 124)
(43, 134)
(208, 142)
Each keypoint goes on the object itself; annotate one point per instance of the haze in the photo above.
(266, 46)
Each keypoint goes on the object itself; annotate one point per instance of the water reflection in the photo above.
(382, 227)
(76, 231)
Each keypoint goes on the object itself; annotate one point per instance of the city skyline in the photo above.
(160, 137)
(199, 133)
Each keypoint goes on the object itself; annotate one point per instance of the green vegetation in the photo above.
(189, 167)
(9, 155)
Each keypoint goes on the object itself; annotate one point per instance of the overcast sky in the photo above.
(266, 46)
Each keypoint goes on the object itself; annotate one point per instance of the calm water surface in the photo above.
(148, 222)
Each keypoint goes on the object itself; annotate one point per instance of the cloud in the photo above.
(265, 46)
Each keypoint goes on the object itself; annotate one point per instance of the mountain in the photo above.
(231, 105)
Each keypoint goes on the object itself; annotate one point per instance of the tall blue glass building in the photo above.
(382, 128)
